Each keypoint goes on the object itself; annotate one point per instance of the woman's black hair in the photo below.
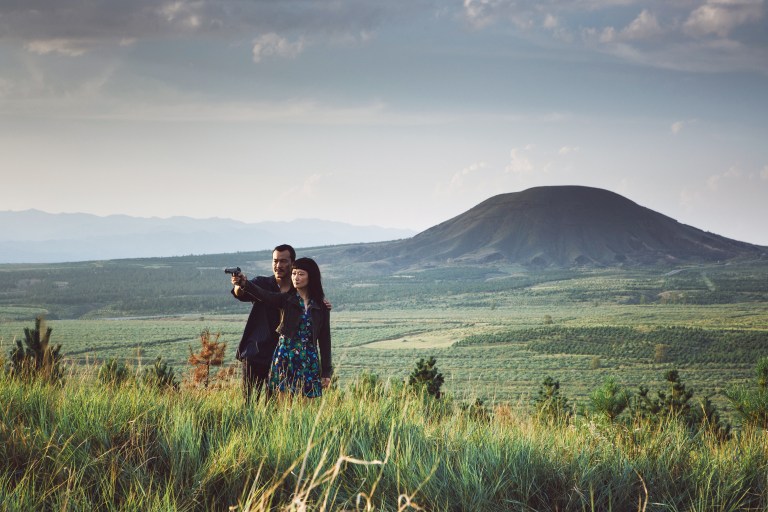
(315, 282)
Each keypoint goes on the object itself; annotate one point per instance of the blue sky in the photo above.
(397, 113)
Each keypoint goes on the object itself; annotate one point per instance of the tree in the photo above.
(551, 404)
(160, 375)
(751, 402)
(39, 359)
(211, 354)
(676, 403)
(610, 399)
(426, 376)
(114, 373)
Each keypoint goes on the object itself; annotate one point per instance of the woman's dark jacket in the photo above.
(290, 317)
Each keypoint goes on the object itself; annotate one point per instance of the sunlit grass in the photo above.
(86, 447)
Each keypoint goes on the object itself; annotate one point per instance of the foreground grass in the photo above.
(87, 447)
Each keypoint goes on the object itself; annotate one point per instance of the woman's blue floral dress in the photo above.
(296, 365)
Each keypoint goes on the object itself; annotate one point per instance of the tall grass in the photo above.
(85, 446)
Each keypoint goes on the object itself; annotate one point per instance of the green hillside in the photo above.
(496, 330)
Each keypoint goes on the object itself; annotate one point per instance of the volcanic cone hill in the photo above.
(562, 226)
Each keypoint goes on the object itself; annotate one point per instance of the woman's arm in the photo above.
(256, 292)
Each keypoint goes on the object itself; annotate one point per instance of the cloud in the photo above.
(551, 22)
(459, 179)
(519, 163)
(567, 150)
(720, 17)
(764, 173)
(71, 26)
(645, 26)
(677, 127)
(271, 44)
(713, 182)
(307, 189)
(687, 35)
(69, 48)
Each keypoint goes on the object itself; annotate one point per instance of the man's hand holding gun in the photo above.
(238, 279)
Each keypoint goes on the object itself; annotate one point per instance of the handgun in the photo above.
(235, 271)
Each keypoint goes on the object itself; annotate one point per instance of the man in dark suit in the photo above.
(260, 337)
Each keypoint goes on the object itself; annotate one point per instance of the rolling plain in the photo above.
(495, 330)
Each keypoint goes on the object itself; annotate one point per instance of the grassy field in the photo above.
(496, 333)
(491, 355)
(87, 446)
(496, 341)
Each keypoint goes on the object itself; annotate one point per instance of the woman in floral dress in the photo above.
(298, 367)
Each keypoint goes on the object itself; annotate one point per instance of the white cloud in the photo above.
(677, 127)
(479, 12)
(645, 26)
(183, 14)
(459, 180)
(720, 17)
(519, 163)
(567, 150)
(308, 189)
(272, 44)
(65, 47)
(713, 182)
(608, 35)
(551, 22)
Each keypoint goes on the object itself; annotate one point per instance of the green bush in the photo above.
(551, 405)
(160, 375)
(751, 402)
(610, 399)
(114, 373)
(40, 359)
(367, 385)
(426, 377)
(676, 404)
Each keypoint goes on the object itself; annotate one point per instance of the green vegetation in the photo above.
(39, 358)
(555, 391)
(495, 329)
(426, 377)
(373, 446)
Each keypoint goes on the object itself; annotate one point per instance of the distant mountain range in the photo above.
(561, 226)
(33, 236)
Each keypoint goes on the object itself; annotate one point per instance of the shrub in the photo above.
(367, 385)
(427, 377)
(751, 402)
(211, 354)
(478, 411)
(550, 404)
(676, 403)
(39, 359)
(610, 399)
(114, 373)
(160, 375)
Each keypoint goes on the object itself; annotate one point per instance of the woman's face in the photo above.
(300, 278)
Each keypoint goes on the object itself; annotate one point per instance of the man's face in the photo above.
(281, 264)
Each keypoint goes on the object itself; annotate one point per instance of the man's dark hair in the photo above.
(315, 282)
(286, 247)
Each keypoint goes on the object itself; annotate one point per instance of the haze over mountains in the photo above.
(33, 236)
(561, 226)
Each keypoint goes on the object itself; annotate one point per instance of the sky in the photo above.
(397, 113)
